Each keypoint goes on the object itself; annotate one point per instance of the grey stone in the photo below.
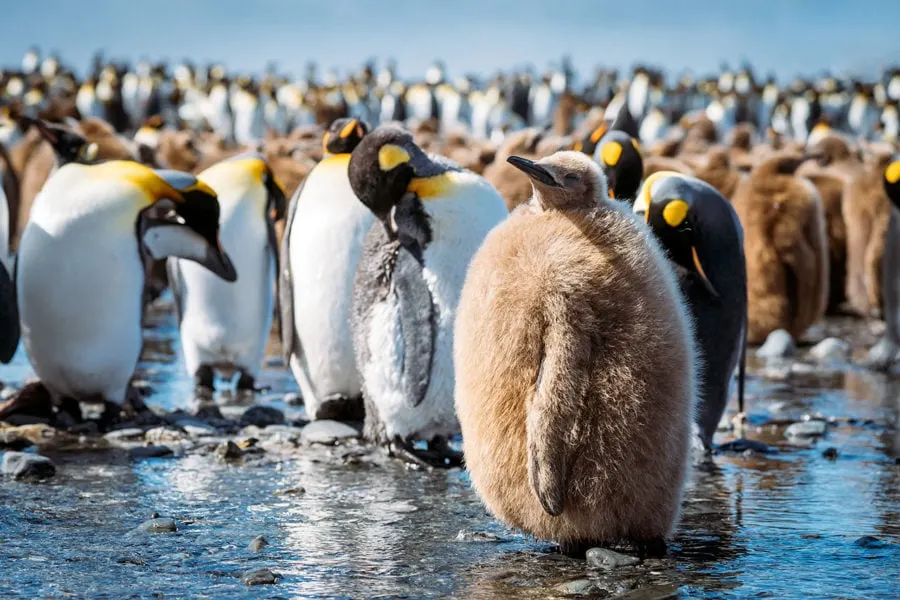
(162, 435)
(327, 432)
(259, 577)
(830, 350)
(228, 450)
(262, 416)
(140, 452)
(130, 433)
(779, 344)
(21, 465)
(465, 535)
(159, 525)
(258, 543)
(607, 559)
(292, 491)
(577, 587)
(806, 429)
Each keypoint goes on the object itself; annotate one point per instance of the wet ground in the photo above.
(815, 517)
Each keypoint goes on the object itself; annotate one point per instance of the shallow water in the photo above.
(775, 525)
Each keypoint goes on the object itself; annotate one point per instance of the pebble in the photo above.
(262, 416)
(228, 450)
(577, 587)
(607, 559)
(153, 451)
(830, 453)
(742, 445)
(807, 429)
(779, 344)
(129, 433)
(259, 577)
(830, 350)
(258, 543)
(161, 435)
(21, 465)
(159, 525)
(292, 491)
(195, 427)
(465, 535)
(327, 432)
(870, 541)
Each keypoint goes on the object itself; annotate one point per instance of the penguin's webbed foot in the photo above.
(440, 448)
(398, 448)
(439, 454)
(31, 404)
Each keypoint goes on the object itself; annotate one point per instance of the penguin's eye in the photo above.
(571, 178)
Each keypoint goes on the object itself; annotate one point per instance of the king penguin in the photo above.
(81, 317)
(322, 243)
(9, 313)
(704, 239)
(225, 325)
(884, 353)
(431, 218)
(620, 158)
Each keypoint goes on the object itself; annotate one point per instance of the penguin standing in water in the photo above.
(703, 237)
(81, 317)
(322, 243)
(884, 353)
(225, 325)
(431, 218)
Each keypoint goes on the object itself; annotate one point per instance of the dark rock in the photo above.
(327, 432)
(150, 452)
(20, 465)
(465, 535)
(228, 451)
(262, 416)
(159, 525)
(607, 559)
(292, 399)
(132, 559)
(743, 445)
(870, 541)
(258, 543)
(814, 428)
(779, 344)
(259, 577)
(830, 453)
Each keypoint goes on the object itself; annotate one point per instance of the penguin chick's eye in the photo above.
(571, 178)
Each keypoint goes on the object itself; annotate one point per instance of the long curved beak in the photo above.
(533, 170)
(218, 261)
(698, 267)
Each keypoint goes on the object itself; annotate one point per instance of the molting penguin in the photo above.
(883, 354)
(225, 325)
(81, 318)
(785, 245)
(322, 243)
(431, 218)
(573, 429)
(703, 237)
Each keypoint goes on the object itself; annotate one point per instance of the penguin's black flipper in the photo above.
(285, 291)
(416, 324)
(9, 317)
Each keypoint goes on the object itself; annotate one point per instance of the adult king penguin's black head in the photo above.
(892, 180)
(67, 145)
(380, 169)
(620, 158)
(694, 223)
(343, 136)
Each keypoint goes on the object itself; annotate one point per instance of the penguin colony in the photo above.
(505, 258)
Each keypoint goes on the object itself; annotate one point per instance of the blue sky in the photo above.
(786, 36)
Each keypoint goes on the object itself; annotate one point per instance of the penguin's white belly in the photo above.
(459, 221)
(79, 297)
(226, 324)
(326, 243)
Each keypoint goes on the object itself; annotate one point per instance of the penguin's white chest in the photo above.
(326, 242)
(460, 220)
(79, 288)
(226, 324)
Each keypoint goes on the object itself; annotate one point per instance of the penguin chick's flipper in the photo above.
(9, 317)
(560, 391)
(416, 325)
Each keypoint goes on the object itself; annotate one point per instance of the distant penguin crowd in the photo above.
(566, 272)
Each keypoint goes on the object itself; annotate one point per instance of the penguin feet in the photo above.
(442, 452)
(246, 389)
(31, 404)
(131, 413)
(399, 448)
(338, 407)
(439, 454)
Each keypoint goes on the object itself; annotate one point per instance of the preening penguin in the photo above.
(322, 243)
(701, 233)
(225, 325)
(81, 317)
(573, 429)
(785, 245)
(883, 354)
(431, 218)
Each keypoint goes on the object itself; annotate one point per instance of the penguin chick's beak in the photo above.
(533, 170)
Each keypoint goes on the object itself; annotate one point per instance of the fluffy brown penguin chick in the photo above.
(573, 428)
(786, 247)
(718, 172)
